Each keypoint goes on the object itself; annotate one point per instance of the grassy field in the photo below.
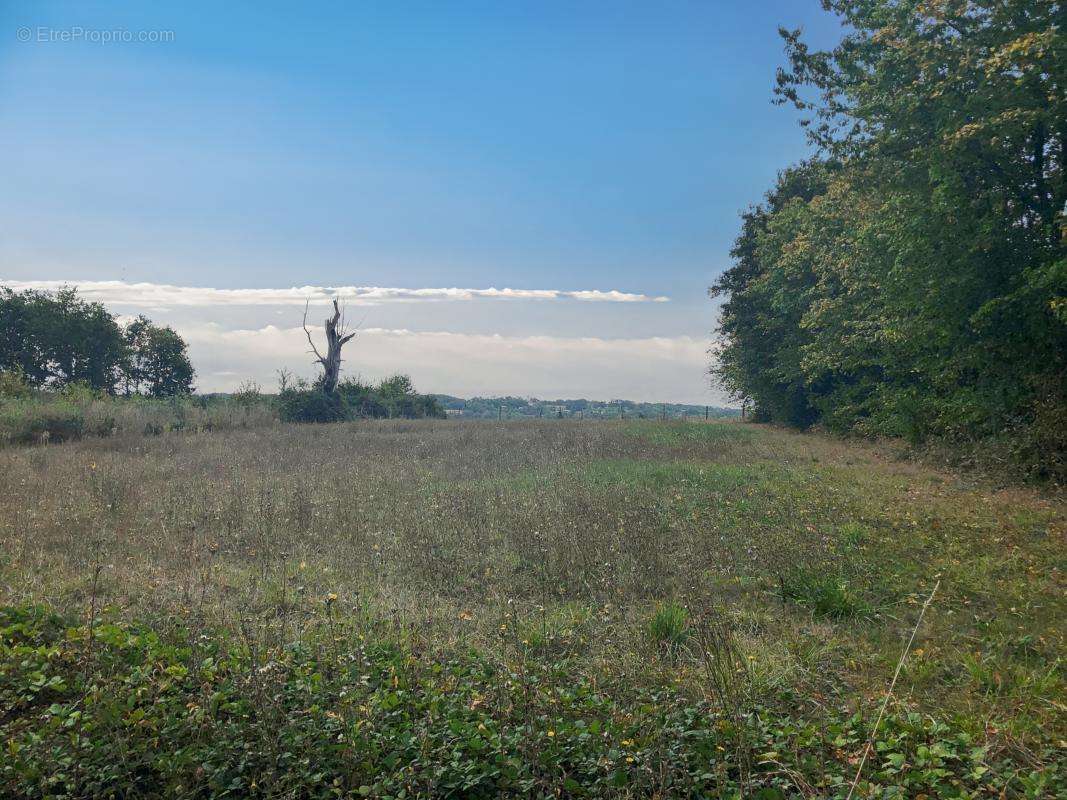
(550, 608)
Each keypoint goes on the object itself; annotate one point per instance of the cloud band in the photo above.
(162, 295)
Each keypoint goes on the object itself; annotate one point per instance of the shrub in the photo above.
(226, 414)
(361, 399)
(29, 421)
(100, 418)
(248, 393)
(393, 398)
(428, 406)
(312, 405)
(13, 384)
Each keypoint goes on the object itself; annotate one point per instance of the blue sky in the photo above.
(566, 146)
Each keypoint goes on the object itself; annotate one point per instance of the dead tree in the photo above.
(336, 338)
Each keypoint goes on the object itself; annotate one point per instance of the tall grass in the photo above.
(641, 562)
(46, 417)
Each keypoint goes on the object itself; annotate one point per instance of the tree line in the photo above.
(57, 339)
(910, 279)
(509, 407)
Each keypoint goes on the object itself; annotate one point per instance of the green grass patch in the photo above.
(669, 625)
(671, 433)
(660, 476)
(825, 596)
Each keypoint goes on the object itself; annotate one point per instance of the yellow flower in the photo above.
(551, 734)
(331, 598)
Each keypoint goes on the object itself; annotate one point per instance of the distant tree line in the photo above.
(911, 280)
(510, 407)
(57, 339)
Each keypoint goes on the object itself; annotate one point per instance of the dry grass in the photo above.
(562, 539)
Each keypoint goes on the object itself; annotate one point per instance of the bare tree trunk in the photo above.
(336, 338)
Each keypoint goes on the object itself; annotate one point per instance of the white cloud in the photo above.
(650, 369)
(161, 295)
(228, 345)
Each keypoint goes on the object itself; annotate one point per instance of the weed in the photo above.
(824, 595)
(343, 711)
(669, 625)
(852, 535)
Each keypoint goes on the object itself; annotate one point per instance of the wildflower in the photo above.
(331, 598)
(551, 734)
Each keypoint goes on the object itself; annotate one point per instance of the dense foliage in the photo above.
(393, 397)
(156, 360)
(113, 709)
(56, 339)
(911, 279)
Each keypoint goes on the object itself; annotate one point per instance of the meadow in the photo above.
(539, 608)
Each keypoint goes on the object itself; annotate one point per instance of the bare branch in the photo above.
(348, 336)
(314, 349)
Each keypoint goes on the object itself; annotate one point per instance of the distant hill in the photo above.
(515, 407)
